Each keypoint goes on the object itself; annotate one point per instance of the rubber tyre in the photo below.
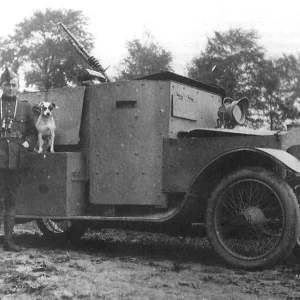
(280, 191)
(52, 229)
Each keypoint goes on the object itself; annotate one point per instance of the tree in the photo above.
(266, 108)
(40, 47)
(144, 57)
(280, 90)
(289, 70)
(237, 56)
(272, 85)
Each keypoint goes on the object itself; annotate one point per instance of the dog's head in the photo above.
(46, 108)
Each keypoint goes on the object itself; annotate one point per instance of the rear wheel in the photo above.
(252, 218)
(55, 229)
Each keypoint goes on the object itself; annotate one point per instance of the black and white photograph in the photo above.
(149, 150)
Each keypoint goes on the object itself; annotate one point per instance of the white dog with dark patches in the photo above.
(46, 127)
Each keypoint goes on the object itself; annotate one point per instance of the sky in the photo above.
(181, 27)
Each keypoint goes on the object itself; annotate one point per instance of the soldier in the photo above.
(17, 137)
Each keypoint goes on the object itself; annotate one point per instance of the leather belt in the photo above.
(14, 135)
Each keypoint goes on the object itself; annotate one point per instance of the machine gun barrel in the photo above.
(91, 60)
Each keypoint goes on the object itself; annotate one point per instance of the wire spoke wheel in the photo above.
(252, 218)
(55, 229)
(249, 219)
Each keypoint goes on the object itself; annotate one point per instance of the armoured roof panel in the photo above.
(170, 76)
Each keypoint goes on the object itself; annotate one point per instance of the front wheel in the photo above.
(252, 218)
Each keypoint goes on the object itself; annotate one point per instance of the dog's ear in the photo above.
(41, 104)
(53, 104)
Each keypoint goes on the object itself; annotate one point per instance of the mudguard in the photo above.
(282, 157)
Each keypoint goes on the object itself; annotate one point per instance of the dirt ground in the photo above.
(111, 264)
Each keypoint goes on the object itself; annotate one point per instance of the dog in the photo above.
(46, 127)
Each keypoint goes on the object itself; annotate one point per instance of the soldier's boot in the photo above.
(9, 245)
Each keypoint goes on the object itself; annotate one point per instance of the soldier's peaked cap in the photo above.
(7, 75)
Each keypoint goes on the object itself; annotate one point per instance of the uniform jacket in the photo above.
(13, 155)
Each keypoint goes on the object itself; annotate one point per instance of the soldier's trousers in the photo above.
(9, 183)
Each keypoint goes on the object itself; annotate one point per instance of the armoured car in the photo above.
(166, 153)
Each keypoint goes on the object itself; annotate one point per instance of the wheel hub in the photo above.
(251, 215)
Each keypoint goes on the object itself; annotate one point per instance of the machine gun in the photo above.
(91, 60)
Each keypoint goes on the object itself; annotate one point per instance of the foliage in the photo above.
(41, 48)
(280, 90)
(236, 55)
(289, 90)
(267, 102)
(272, 85)
(144, 57)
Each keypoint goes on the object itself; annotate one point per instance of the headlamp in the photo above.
(232, 113)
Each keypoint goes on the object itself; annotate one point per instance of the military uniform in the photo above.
(13, 155)
(17, 126)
